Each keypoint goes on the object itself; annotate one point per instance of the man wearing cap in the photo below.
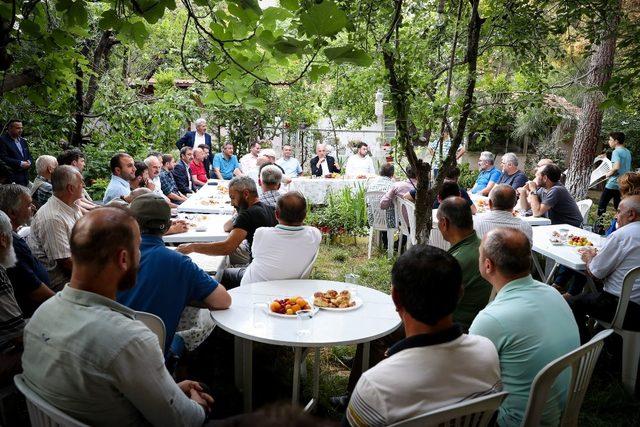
(167, 280)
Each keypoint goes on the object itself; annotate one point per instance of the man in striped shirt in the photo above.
(11, 320)
(52, 224)
(502, 200)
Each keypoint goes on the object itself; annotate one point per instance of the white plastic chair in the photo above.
(476, 412)
(307, 271)
(42, 413)
(630, 339)
(598, 174)
(581, 361)
(155, 324)
(584, 206)
(378, 220)
(406, 215)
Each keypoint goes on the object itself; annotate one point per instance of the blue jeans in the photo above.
(564, 275)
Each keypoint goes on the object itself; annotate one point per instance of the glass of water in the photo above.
(352, 281)
(260, 314)
(305, 323)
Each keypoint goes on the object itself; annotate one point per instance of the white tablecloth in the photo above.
(316, 189)
(212, 229)
(211, 199)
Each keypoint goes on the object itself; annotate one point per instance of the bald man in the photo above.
(197, 169)
(502, 200)
(89, 355)
(323, 164)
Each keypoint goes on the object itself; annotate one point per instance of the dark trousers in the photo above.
(564, 275)
(606, 197)
(601, 305)
(377, 351)
(231, 277)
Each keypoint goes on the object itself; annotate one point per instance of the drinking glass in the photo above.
(259, 314)
(352, 281)
(305, 322)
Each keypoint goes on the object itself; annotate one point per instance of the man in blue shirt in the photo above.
(167, 280)
(529, 323)
(488, 176)
(288, 163)
(225, 164)
(621, 162)
(123, 170)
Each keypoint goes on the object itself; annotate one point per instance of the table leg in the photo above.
(536, 264)
(316, 375)
(247, 374)
(295, 395)
(549, 278)
(365, 356)
(237, 365)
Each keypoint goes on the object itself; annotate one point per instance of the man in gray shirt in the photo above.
(88, 355)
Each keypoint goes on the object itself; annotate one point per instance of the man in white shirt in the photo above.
(620, 253)
(248, 161)
(360, 164)
(88, 356)
(281, 252)
(288, 163)
(502, 200)
(436, 364)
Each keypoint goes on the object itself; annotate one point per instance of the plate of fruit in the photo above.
(573, 240)
(289, 306)
(333, 300)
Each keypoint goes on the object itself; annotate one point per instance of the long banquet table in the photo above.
(213, 198)
(317, 189)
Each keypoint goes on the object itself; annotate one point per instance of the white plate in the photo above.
(357, 300)
(288, 316)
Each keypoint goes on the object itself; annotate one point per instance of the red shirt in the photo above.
(198, 170)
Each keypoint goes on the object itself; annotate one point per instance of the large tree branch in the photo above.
(9, 82)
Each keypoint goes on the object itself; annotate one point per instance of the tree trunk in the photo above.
(590, 122)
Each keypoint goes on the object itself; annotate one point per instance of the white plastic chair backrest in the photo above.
(623, 302)
(154, 323)
(584, 206)
(401, 217)
(410, 209)
(42, 413)
(307, 271)
(469, 413)
(377, 215)
(24, 232)
(600, 172)
(581, 361)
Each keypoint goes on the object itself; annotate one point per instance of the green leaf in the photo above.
(324, 19)
(317, 71)
(290, 4)
(254, 103)
(109, 20)
(30, 28)
(62, 38)
(212, 70)
(135, 31)
(272, 14)
(35, 97)
(289, 45)
(218, 31)
(348, 54)
(249, 5)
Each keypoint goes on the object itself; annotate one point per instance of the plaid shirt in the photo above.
(270, 198)
(167, 183)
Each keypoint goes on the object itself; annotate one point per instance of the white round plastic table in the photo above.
(376, 318)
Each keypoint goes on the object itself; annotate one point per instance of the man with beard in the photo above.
(11, 320)
(167, 280)
(122, 171)
(87, 355)
(252, 214)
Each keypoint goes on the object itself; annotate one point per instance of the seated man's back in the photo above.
(529, 323)
(86, 355)
(281, 252)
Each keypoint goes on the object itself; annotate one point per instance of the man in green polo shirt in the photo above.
(528, 322)
(456, 225)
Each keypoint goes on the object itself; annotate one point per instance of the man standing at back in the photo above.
(194, 138)
(455, 222)
(87, 355)
(621, 164)
(529, 323)
(14, 152)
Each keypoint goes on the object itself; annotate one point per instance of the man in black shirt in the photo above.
(252, 214)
